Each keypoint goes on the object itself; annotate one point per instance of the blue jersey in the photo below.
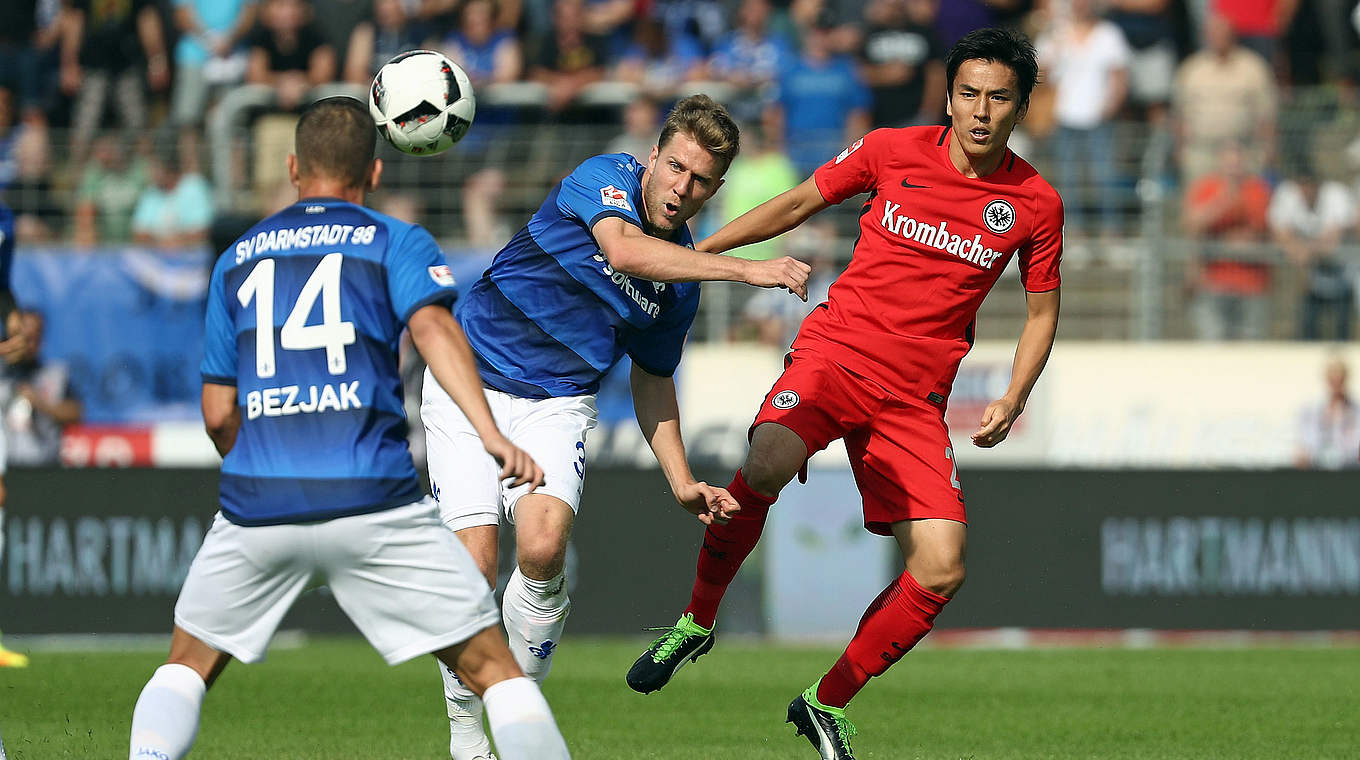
(6, 247)
(322, 421)
(550, 317)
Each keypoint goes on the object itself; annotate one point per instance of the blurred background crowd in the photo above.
(1208, 151)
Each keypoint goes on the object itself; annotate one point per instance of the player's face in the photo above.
(681, 176)
(984, 106)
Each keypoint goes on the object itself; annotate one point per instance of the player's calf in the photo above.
(521, 722)
(535, 614)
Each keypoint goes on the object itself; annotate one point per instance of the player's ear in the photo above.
(651, 159)
(1024, 109)
(293, 175)
(374, 174)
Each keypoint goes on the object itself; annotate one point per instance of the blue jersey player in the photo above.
(605, 268)
(302, 398)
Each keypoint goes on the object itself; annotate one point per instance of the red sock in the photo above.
(725, 547)
(892, 625)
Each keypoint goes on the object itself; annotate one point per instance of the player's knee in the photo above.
(944, 578)
(775, 456)
(542, 556)
(768, 472)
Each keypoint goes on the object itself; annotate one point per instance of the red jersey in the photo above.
(932, 243)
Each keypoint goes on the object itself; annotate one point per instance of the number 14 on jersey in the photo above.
(332, 334)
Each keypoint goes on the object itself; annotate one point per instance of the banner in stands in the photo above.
(1097, 405)
(106, 551)
(129, 323)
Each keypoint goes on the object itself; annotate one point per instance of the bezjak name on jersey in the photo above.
(279, 402)
(625, 283)
(304, 237)
(937, 237)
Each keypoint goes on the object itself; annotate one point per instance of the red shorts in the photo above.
(899, 448)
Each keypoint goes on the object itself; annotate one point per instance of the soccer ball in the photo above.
(422, 102)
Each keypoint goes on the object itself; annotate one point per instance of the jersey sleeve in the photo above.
(657, 349)
(219, 332)
(598, 188)
(854, 171)
(417, 274)
(1040, 257)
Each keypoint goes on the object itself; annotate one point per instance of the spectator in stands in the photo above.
(1147, 26)
(1225, 213)
(1086, 60)
(209, 55)
(109, 188)
(821, 103)
(641, 122)
(337, 21)
(1257, 24)
(750, 58)
(1329, 432)
(959, 17)
(902, 63)
(704, 21)
(25, 169)
(1223, 94)
(613, 20)
(569, 59)
(176, 209)
(379, 40)
(29, 33)
(658, 62)
(761, 172)
(488, 55)
(109, 48)
(288, 55)
(1311, 221)
(37, 401)
(775, 321)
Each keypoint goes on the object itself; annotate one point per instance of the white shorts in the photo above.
(466, 480)
(407, 583)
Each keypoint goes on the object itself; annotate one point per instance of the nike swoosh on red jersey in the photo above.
(907, 183)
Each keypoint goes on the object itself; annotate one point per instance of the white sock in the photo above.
(165, 720)
(535, 612)
(467, 738)
(522, 723)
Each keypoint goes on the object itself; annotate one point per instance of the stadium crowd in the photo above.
(1228, 127)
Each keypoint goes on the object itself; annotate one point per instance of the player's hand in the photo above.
(14, 348)
(710, 504)
(997, 419)
(516, 465)
(785, 272)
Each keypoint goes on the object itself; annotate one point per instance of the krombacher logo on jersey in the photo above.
(938, 237)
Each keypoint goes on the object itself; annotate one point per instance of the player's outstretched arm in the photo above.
(770, 219)
(221, 415)
(442, 343)
(1031, 354)
(634, 252)
(658, 415)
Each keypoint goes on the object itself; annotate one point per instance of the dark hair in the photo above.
(336, 138)
(996, 45)
(707, 122)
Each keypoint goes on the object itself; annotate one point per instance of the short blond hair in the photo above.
(707, 123)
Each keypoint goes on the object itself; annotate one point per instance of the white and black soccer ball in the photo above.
(423, 102)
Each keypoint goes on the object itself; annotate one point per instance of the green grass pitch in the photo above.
(334, 698)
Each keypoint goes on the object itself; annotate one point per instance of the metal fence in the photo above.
(1131, 270)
